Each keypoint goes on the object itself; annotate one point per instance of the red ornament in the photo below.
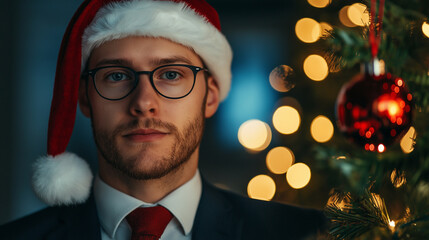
(373, 111)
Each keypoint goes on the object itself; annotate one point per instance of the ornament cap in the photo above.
(374, 67)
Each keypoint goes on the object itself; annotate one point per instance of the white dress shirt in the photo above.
(113, 206)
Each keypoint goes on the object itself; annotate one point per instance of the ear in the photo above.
(83, 99)
(212, 100)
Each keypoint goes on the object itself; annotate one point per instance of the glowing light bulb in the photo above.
(344, 19)
(425, 29)
(308, 30)
(316, 68)
(392, 225)
(357, 13)
(407, 141)
(298, 175)
(381, 148)
(279, 160)
(286, 120)
(321, 129)
(254, 135)
(261, 187)
(319, 3)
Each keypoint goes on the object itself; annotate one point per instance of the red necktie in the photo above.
(148, 223)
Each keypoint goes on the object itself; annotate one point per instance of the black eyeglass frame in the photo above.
(137, 74)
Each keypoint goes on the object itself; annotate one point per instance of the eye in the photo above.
(117, 76)
(170, 75)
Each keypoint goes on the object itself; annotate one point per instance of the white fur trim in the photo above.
(167, 19)
(62, 180)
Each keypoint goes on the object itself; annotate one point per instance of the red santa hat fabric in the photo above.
(62, 178)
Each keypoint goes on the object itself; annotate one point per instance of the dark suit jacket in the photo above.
(221, 215)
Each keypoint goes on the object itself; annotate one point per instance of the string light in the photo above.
(357, 14)
(321, 129)
(279, 159)
(254, 135)
(298, 175)
(308, 30)
(407, 141)
(315, 67)
(319, 3)
(425, 29)
(381, 148)
(261, 187)
(392, 225)
(344, 18)
(286, 120)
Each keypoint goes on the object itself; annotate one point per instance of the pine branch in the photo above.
(353, 216)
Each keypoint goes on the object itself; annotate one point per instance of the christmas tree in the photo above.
(380, 175)
(384, 191)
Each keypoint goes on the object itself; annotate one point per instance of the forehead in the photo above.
(143, 51)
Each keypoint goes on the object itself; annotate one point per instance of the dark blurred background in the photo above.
(262, 36)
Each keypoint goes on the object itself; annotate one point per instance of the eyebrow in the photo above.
(170, 60)
(121, 62)
(153, 62)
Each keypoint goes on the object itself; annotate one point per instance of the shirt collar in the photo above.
(113, 206)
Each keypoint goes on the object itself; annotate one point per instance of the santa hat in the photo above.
(62, 178)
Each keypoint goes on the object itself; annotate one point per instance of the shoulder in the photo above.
(74, 222)
(268, 218)
(270, 210)
(33, 225)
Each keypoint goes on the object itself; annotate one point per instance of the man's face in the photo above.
(147, 136)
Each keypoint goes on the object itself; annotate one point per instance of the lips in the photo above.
(144, 135)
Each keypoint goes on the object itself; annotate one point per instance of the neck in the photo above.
(151, 190)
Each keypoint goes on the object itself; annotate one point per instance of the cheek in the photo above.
(106, 115)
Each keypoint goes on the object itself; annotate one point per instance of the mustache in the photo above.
(146, 123)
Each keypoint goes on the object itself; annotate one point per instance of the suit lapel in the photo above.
(216, 218)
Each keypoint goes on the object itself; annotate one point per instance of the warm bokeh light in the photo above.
(425, 29)
(319, 3)
(321, 129)
(307, 30)
(407, 141)
(316, 67)
(325, 28)
(344, 18)
(390, 107)
(392, 225)
(286, 120)
(357, 13)
(261, 187)
(279, 159)
(381, 148)
(298, 175)
(254, 135)
(281, 78)
(398, 178)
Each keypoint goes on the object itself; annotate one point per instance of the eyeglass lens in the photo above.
(170, 81)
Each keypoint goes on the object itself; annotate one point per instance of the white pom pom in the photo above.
(62, 180)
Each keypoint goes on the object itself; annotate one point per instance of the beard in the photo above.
(184, 145)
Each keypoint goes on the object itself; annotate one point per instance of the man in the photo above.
(147, 73)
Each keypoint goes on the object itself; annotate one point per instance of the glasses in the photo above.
(172, 81)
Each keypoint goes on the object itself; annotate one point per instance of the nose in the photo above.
(144, 100)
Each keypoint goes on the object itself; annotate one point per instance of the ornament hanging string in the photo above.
(375, 38)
